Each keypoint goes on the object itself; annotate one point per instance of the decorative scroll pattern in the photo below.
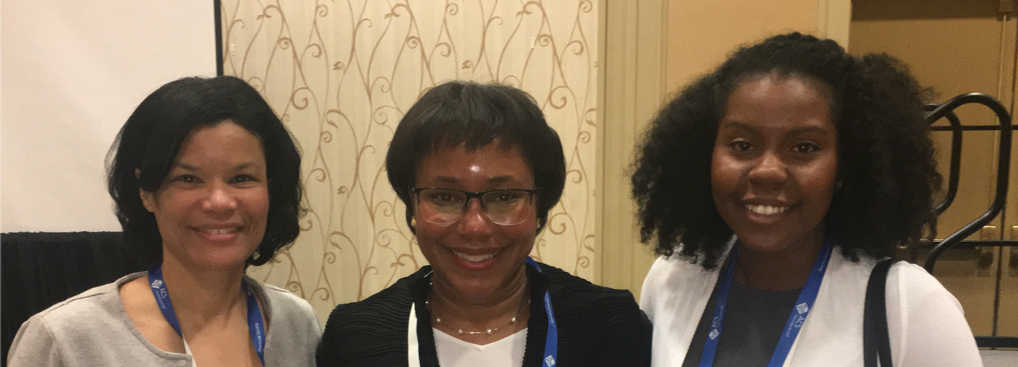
(341, 74)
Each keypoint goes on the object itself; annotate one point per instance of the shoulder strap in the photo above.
(876, 341)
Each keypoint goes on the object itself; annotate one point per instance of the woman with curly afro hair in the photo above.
(771, 188)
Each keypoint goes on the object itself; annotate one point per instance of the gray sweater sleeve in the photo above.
(34, 345)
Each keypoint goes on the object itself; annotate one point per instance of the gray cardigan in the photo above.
(92, 329)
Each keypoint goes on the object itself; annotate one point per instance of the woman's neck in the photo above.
(200, 297)
(779, 271)
(472, 312)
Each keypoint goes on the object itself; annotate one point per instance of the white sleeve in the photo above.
(34, 345)
(650, 287)
(926, 323)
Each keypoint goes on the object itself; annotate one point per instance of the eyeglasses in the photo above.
(445, 206)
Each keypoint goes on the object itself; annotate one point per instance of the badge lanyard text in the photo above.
(551, 341)
(796, 318)
(255, 324)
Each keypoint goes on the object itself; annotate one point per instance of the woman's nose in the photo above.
(475, 221)
(769, 170)
(219, 199)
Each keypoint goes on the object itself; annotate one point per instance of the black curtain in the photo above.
(40, 269)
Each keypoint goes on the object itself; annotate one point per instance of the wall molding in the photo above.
(632, 87)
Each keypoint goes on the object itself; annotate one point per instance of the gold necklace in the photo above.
(512, 321)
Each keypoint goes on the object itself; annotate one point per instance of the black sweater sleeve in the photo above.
(598, 326)
(371, 332)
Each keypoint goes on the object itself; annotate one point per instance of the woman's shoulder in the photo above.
(281, 298)
(293, 326)
(904, 279)
(75, 322)
(103, 300)
(917, 278)
(926, 322)
(605, 323)
(575, 297)
(290, 309)
(372, 329)
(668, 269)
(576, 291)
(388, 306)
(914, 286)
(672, 277)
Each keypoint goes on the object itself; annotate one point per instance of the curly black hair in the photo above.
(146, 147)
(886, 160)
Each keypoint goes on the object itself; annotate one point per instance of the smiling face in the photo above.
(212, 207)
(472, 255)
(774, 164)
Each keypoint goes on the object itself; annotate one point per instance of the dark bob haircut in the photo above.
(150, 139)
(886, 165)
(475, 115)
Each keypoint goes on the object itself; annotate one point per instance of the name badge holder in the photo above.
(255, 323)
(803, 305)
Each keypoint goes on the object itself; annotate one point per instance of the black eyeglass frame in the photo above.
(470, 195)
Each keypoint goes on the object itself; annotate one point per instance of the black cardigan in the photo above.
(597, 326)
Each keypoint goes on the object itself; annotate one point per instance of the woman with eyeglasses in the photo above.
(478, 169)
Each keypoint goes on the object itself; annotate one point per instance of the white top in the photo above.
(926, 323)
(506, 352)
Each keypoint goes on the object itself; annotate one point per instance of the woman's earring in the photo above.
(256, 255)
(413, 222)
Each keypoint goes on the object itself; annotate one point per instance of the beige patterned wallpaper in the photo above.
(341, 74)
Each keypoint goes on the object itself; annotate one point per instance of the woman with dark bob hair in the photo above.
(206, 178)
(483, 301)
(771, 188)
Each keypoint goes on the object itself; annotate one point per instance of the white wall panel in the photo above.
(71, 72)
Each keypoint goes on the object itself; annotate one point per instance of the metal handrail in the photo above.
(1003, 165)
(955, 169)
(957, 239)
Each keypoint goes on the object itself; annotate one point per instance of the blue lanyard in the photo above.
(551, 341)
(255, 324)
(796, 318)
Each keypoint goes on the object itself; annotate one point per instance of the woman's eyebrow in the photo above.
(739, 125)
(246, 165)
(498, 180)
(446, 180)
(808, 129)
(751, 128)
(185, 166)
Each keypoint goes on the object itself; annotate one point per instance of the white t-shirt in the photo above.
(506, 352)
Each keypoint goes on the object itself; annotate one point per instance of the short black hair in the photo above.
(886, 162)
(152, 136)
(475, 115)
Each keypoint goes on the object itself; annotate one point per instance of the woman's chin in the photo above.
(214, 261)
(475, 288)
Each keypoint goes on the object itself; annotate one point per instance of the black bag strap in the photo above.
(876, 341)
